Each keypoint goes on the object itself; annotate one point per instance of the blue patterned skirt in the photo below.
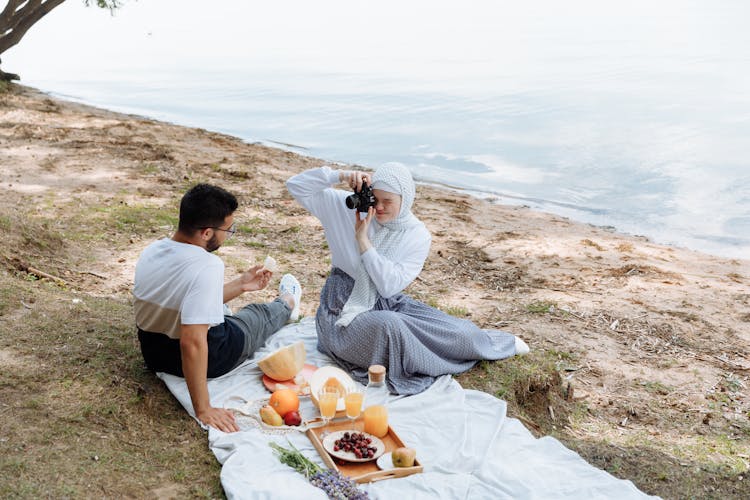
(415, 342)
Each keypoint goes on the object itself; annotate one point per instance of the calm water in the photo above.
(634, 116)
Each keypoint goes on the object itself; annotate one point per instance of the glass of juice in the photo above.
(353, 401)
(328, 398)
(376, 420)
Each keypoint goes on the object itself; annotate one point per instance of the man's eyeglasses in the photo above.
(232, 229)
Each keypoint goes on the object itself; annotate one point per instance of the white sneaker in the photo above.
(521, 347)
(290, 285)
(227, 310)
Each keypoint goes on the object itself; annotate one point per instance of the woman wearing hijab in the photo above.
(363, 317)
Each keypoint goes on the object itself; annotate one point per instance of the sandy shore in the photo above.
(651, 334)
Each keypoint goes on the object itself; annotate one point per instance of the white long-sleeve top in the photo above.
(313, 190)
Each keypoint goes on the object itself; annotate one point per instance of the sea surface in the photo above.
(634, 115)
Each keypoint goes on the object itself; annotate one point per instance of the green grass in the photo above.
(512, 379)
(150, 169)
(539, 307)
(656, 387)
(457, 311)
(79, 403)
(254, 244)
(139, 218)
(251, 230)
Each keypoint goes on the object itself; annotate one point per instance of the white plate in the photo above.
(349, 456)
(385, 462)
(319, 377)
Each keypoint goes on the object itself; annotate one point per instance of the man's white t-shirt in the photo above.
(177, 283)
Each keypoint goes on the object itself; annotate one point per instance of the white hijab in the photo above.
(393, 178)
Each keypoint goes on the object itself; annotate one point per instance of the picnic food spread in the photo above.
(365, 448)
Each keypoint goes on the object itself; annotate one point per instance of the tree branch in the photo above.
(7, 14)
(23, 19)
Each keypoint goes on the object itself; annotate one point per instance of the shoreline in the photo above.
(536, 204)
(655, 340)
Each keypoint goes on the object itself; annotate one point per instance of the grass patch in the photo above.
(530, 384)
(457, 311)
(150, 169)
(9, 299)
(141, 218)
(254, 244)
(78, 404)
(253, 227)
(656, 387)
(540, 307)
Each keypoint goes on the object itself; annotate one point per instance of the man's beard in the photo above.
(213, 244)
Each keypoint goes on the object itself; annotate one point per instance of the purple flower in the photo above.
(337, 486)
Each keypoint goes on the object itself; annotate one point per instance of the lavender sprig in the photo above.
(336, 485)
(296, 460)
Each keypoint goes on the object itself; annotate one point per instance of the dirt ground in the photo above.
(651, 343)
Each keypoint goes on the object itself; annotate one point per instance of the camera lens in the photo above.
(352, 201)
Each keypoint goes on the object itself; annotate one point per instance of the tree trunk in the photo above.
(6, 77)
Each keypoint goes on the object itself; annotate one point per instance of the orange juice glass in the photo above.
(376, 420)
(353, 400)
(328, 399)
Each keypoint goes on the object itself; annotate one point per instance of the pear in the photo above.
(403, 457)
(270, 417)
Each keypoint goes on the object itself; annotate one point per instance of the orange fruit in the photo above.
(284, 401)
(337, 385)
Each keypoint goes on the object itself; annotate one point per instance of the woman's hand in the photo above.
(256, 278)
(360, 229)
(354, 179)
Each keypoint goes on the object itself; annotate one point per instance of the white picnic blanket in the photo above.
(468, 446)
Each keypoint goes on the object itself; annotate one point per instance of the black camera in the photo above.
(362, 200)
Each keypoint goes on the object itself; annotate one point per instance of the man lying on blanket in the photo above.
(179, 302)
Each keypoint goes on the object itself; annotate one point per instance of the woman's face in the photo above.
(387, 206)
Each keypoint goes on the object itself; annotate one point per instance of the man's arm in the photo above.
(194, 349)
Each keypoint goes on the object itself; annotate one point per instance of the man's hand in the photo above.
(256, 278)
(218, 418)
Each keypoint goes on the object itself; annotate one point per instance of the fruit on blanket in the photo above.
(337, 385)
(284, 363)
(270, 417)
(403, 457)
(284, 401)
(292, 418)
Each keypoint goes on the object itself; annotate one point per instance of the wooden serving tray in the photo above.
(361, 472)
